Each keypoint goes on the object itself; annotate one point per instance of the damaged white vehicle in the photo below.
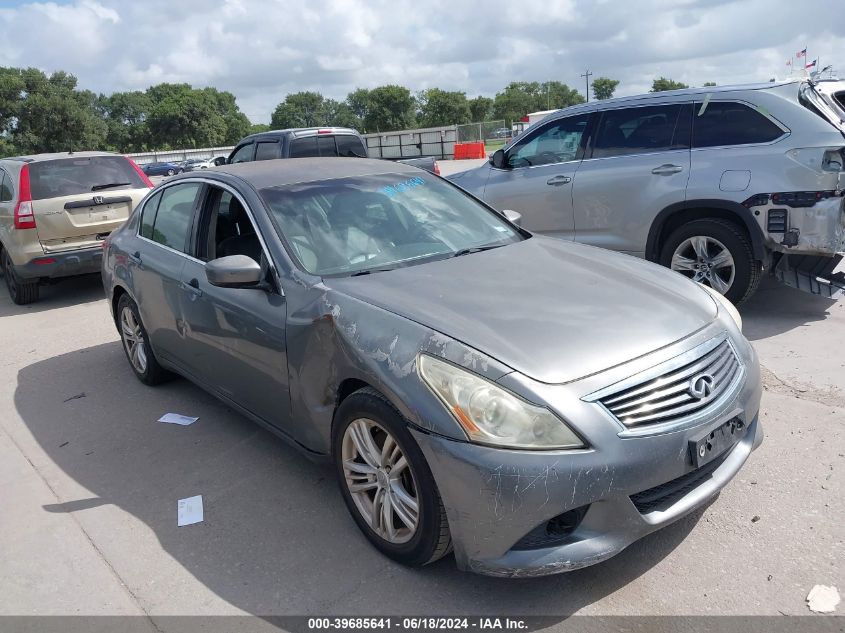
(717, 183)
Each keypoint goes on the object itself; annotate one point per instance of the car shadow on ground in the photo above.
(776, 308)
(62, 294)
(276, 539)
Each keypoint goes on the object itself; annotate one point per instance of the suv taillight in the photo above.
(24, 218)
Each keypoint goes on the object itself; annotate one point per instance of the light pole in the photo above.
(587, 75)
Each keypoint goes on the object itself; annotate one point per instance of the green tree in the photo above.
(481, 109)
(181, 117)
(709, 83)
(52, 115)
(359, 102)
(390, 108)
(520, 98)
(661, 84)
(339, 114)
(300, 109)
(237, 123)
(603, 87)
(125, 114)
(438, 107)
(256, 128)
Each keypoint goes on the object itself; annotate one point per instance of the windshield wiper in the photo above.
(109, 185)
(475, 249)
(370, 270)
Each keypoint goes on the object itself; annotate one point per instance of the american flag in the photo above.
(811, 64)
(801, 54)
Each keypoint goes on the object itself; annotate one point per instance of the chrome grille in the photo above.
(670, 395)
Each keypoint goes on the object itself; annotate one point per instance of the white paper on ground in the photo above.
(823, 599)
(189, 511)
(175, 418)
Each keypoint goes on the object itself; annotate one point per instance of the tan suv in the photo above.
(55, 211)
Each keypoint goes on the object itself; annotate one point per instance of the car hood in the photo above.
(555, 311)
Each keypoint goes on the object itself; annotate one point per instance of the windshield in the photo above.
(353, 225)
(72, 176)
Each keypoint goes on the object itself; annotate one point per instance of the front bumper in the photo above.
(80, 262)
(494, 498)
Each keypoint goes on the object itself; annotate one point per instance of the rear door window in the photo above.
(6, 193)
(243, 154)
(350, 146)
(73, 176)
(148, 215)
(173, 216)
(303, 147)
(640, 130)
(267, 150)
(716, 124)
(326, 146)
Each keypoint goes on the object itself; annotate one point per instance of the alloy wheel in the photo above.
(380, 482)
(705, 260)
(133, 340)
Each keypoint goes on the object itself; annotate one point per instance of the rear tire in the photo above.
(170, 172)
(409, 484)
(681, 253)
(21, 292)
(136, 344)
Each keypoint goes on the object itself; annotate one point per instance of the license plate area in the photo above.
(715, 442)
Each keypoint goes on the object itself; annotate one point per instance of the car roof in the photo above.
(288, 171)
(34, 158)
(298, 131)
(676, 95)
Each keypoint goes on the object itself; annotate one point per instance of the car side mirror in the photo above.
(513, 217)
(498, 159)
(234, 271)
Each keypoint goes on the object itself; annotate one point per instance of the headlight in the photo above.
(491, 415)
(727, 305)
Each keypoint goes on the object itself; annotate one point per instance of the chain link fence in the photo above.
(485, 131)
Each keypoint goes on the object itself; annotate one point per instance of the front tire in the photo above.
(385, 481)
(136, 344)
(22, 293)
(170, 172)
(716, 253)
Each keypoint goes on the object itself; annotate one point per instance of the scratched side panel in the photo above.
(332, 337)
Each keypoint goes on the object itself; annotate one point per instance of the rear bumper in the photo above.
(56, 265)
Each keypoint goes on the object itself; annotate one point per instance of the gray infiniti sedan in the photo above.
(533, 404)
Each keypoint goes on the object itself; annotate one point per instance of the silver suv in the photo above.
(716, 183)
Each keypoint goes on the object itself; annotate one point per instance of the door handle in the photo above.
(667, 170)
(135, 257)
(193, 287)
(556, 181)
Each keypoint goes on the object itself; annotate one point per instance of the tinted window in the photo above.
(6, 193)
(242, 154)
(730, 123)
(173, 218)
(326, 146)
(303, 147)
(346, 225)
(267, 150)
(350, 146)
(72, 176)
(148, 216)
(638, 131)
(555, 142)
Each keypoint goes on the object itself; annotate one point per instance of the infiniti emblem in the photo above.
(700, 386)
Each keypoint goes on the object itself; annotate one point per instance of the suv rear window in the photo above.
(72, 176)
(730, 123)
(305, 147)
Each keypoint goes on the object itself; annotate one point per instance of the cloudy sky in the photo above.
(263, 49)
